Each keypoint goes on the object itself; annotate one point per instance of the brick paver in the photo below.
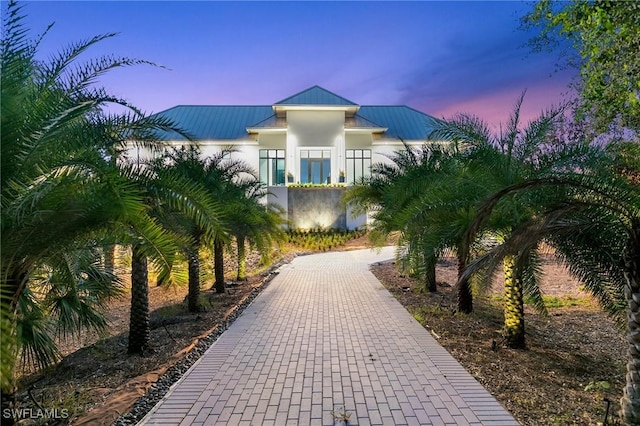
(323, 338)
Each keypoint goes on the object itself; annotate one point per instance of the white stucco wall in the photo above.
(315, 129)
(272, 140)
(358, 140)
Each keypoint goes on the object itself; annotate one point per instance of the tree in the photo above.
(414, 195)
(431, 195)
(380, 195)
(256, 223)
(187, 163)
(591, 215)
(605, 35)
(225, 180)
(60, 195)
(170, 190)
(498, 161)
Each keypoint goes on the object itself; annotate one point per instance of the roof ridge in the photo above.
(350, 102)
(262, 121)
(368, 120)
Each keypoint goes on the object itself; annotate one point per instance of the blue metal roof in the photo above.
(316, 95)
(219, 122)
(207, 122)
(358, 121)
(401, 121)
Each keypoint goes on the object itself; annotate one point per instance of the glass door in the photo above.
(315, 166)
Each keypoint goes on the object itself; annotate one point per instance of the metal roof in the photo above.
(271, 122)
(209, 122)
(401, 121)
(359, 122)
(229, 122)
(315, 95)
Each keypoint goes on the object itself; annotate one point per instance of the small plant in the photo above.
(341, 415)
(321, 239)
(600, 386)
(316, 185)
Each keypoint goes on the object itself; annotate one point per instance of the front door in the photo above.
(315, 166)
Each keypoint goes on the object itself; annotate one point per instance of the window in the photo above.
(272, 166)
(315, 166)
(358, 164)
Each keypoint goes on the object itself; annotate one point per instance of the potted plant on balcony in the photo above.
(341, 176)
(289, 177)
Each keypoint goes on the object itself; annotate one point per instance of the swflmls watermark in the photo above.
(35, 413)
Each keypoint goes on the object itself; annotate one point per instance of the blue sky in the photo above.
(437, 57)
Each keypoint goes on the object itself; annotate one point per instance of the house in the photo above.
(304, 145)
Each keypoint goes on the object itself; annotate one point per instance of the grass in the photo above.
(554, 302)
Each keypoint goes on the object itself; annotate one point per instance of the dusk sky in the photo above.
(437, 57)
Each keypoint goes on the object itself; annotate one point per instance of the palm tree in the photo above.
(591, 216)
(187, 163)
(427, 195)
(169, 191)
(226, 181)
(60, 194)
(498, 161)
(259, 224)
(390, 193)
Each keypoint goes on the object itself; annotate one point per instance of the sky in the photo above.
(440, 58)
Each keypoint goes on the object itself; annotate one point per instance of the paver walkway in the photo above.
(323, 338)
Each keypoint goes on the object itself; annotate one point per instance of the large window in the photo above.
(358, 164)
(315, 166)
(272, 166)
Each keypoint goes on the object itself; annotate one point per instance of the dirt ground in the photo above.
(575, 356)
(574, 363)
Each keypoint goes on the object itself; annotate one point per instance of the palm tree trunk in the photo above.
(109, 258)
(139, 327)
(630, 401)
(465, 298)
(218, 265)
(513, 305)
(430, 273)
(194, 277)
(242, 258)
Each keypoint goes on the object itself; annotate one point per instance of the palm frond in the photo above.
(34, 333)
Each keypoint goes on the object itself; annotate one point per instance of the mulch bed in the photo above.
(574, 363)
(575, 357)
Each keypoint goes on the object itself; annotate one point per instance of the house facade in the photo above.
(305, 148)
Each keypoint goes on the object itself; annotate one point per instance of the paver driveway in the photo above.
(325, 338)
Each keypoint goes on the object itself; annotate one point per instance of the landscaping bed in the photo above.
(575, 357)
